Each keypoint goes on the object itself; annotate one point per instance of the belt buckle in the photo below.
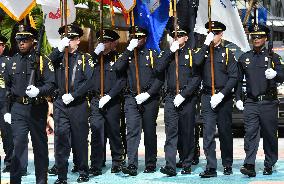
(25, 101)
(260, 98)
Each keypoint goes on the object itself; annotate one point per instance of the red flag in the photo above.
(117, 4)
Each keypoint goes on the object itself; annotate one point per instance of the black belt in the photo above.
(208, 90)
(134, 93)
(268, 97)
(27, 100)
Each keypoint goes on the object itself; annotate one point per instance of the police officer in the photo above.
(5, 117)
(71, 117)
(179, 107)
(217, 106)
(141, 110)
(105, 110)
(261, 103)
(29, 107)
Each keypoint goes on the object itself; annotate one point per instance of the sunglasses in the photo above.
(24, 40)
(217, 32)
(253, 37)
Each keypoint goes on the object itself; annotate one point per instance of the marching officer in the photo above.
(106, 110)
(5, 118)
(217, 105)
(262, 69)
(141, 110)
(71, 117)
(179, 108)
(29, 79)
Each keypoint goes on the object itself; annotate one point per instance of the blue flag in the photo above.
(153, 19)
(261, 15)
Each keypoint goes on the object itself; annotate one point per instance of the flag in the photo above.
(153, 16)
(127, 5)
(227, 13)
(261, 15)
(53, 18)
(17, 9)
(117, 4)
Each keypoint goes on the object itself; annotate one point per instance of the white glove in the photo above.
(216, 99)
(100, 48)
(7, 118)
(175, 46)
(240, 105)
(104, 100)
(178, 100)
(142, 97)
(32, 91)
(270, 73)
(209, 38)
(67, 98)
(133, 44)
(63, 43)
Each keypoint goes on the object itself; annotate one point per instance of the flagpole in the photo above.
(101, 55)
(135, 56)
(176, 53)
(211, 51)
(66, 48)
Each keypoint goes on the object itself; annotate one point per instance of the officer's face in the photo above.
(142, 41)
(217, 38)
(258, 41)
(182, 39)
(114, 45)
(108, 45)
(74, 42)
(25, 45)
(2, 48)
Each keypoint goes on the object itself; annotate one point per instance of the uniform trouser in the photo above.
(31, 118)
(222, 116)
(261, 117)
(75, 159)
(136, 121)
(179, 119)
(106, 120)
(6, 135)
(72, 122)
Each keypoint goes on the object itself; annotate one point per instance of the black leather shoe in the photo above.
(95, 171)
(228, 171)
(150, 169)
(6, 169)
(179, 164)
(186, 170)
(168, 171)
(248, 169)
(83, 178)
(195, 161)
(208, 173)
(267, 171)
(59, 181)
(116, 169)
(75, 169)
(53, 170)
(131, 170)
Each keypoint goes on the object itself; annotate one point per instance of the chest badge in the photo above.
(79, 62)
(3, 65)
(247, 61)
(111, 63)
(223, 54)
(186, 56)
(266, 58)
(147, 57)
